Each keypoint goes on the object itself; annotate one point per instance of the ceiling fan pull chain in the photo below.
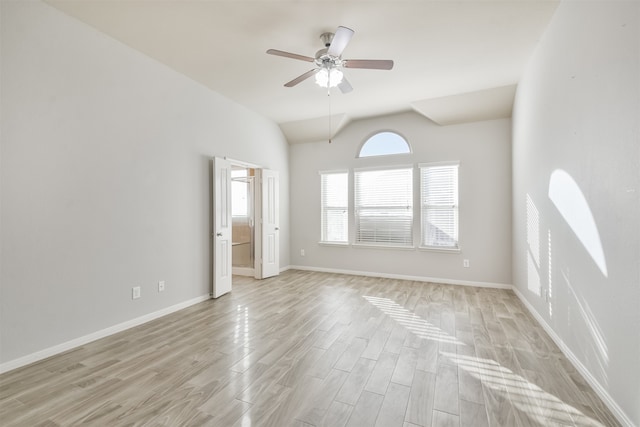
(329, 96)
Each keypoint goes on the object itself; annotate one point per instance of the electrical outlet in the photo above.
(465, 263)
(301, 252)
(161, 286)
(135, 292)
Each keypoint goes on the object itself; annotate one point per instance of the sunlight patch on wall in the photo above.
(550, 277)
(533, 230)
(533, 277)
(567, 197)
(533, 247)
(588, 317)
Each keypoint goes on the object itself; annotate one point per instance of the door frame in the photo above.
(258, 215)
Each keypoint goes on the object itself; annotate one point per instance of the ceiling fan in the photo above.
(329, 62)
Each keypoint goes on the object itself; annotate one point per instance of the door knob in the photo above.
(277, 228)
(219, 234)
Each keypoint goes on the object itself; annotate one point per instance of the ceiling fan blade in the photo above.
(340, 40)
(302, 77)
(345, 86)
(290, 55)
(373, 64)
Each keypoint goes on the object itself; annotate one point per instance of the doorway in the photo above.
(257, 219)
(243, 220)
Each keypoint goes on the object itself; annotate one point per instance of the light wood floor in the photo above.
(316, 349)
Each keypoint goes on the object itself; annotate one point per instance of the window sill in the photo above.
(402, 248)
(442, 250)
(339, 244)
(371, 246)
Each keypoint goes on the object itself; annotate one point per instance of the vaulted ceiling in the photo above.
(455, 61)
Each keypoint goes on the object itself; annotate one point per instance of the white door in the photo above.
(222, 244)
(270, 224)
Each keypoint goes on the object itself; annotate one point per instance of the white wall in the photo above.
(105, 175)
(577, 113)
(484, 152)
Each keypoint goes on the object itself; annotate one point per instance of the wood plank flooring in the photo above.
(316, 349)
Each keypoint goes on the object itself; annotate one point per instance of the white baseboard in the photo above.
(601, 391)
(57, 349)
(593, 382)
(404, 277)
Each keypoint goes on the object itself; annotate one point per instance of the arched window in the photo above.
(383, 144)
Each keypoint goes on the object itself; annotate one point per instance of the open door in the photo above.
(222, 244)
(268, 260)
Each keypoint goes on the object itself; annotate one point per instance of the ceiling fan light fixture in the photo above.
(329, 77)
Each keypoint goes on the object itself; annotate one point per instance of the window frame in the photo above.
(410, 209)
(372, 135)
(323, 208)
(455, 207)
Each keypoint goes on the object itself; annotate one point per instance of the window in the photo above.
(384, 206)
(240, 190)
(384, 143)
(439, 205)
(335, 207)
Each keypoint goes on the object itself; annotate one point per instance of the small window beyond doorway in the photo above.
(384, 144)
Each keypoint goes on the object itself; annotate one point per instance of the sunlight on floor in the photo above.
(242, 325)
(411, 321)
(538, 404)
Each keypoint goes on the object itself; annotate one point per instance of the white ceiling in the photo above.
(440, 49)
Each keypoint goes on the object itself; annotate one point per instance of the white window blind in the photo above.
(384, 206)
(439, 205)
(335, 207)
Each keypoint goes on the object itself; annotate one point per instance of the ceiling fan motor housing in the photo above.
(326, 39)
(322, 58)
